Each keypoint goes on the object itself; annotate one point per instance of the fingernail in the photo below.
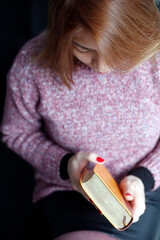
(100, 160)
(91, 200)
(128, 194)
(99, 211)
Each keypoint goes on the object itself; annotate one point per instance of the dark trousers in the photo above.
(63, 212)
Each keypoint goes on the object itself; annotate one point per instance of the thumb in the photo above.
(92, 157)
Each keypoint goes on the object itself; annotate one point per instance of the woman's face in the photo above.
(86, 50)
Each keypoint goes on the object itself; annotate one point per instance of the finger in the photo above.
(135, 218)
(85, 157)
(92, 157)
(138, 206)
(77, 186)
(135, 195)
(127, 190)
(128, 196)
(84, 193)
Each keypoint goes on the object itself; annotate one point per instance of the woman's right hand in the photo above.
(76, 165)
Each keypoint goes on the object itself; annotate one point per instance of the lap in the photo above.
(81, 235)
(67, 211)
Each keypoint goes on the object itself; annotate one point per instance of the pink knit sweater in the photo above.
(116, 115)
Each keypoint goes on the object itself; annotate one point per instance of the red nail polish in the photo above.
(100, 160)
(91, 200)
(100, 211)
(128, 194)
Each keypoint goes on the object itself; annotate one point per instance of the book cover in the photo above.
(105, 193)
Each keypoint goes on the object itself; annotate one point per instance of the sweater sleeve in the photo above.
(145, 175)
(152, 160)
(22, 125)
(152, 163)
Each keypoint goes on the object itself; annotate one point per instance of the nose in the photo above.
(100, 64)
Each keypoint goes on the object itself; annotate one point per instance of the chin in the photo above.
(102, 72)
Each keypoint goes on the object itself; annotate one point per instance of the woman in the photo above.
(85, 90)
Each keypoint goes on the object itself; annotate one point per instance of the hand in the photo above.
(133, 191)
(76, 165)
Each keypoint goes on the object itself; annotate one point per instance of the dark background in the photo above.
(20, 20)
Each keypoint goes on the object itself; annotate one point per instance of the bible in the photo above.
(105, 193)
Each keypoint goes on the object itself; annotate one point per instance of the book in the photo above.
(105, 193)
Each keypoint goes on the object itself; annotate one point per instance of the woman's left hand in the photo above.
(133, 192)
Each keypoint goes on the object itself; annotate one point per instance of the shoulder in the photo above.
(154, 62)
(32, 48)
(150, 69)
(24, 66)
(25, 57)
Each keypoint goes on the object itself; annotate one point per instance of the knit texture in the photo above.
(116, 115)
